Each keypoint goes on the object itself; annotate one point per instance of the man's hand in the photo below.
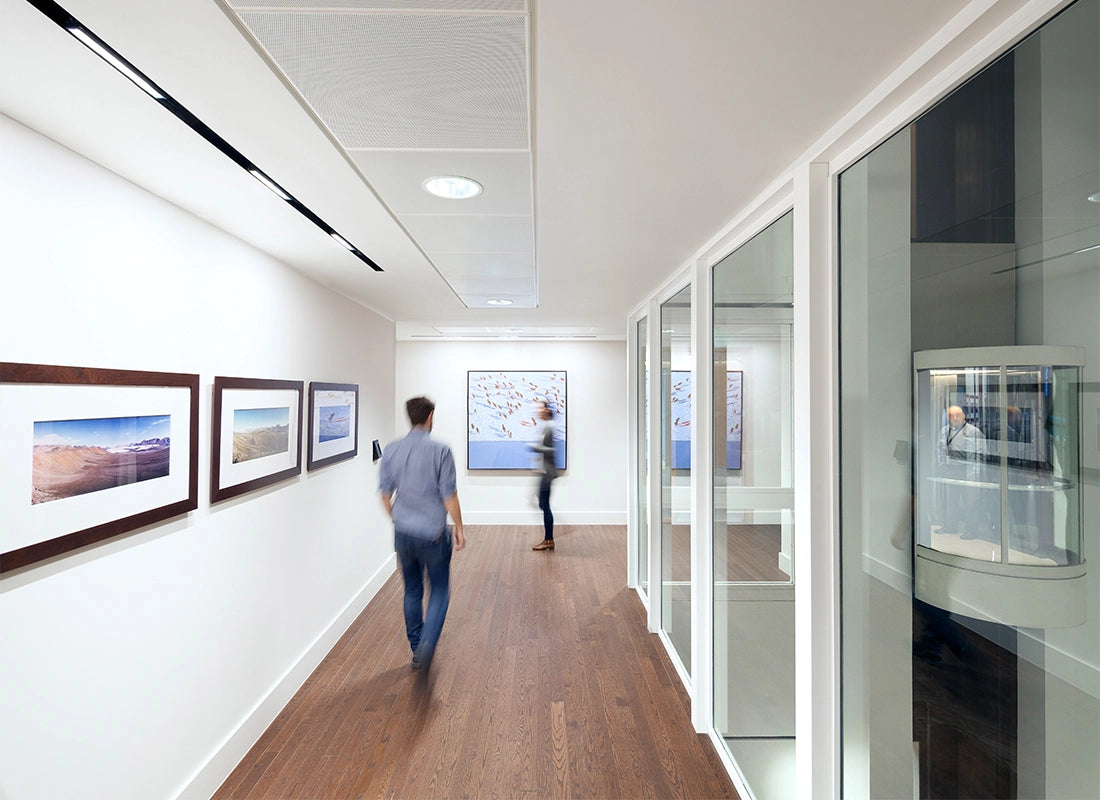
(455, 510)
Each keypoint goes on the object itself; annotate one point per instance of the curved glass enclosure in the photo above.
(997, 483)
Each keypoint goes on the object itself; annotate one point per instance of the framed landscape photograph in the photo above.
(257, 434)
(333, 423)
(503, 423)
(91, 453)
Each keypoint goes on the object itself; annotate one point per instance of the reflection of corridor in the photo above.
(754, 649)
(546, 684)
(751, 553)
(965, 689)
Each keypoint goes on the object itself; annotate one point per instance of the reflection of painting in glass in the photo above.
(79, 456)
(733, 419)
(503, 418)
(334, 423)
(260, 432)
(680, 412)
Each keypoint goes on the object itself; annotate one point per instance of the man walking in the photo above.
(417, 483)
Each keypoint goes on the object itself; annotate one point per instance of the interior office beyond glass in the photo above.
(753, 502)
(676, 388)
(970, 436)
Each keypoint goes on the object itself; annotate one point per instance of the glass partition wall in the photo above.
(753, 501)
(676, 387)
(969, 457)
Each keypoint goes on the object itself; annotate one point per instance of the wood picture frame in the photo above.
(333, 423)
(90, 454)
(256, 434)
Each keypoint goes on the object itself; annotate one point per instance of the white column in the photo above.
(634, 458)
(817, 716)
(653, 354)
(702, 472)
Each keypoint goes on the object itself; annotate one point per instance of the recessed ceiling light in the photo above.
(452, 187)
(344, 242)
(1094, 198)
(108, 55)
(270, 184)
(499, 301)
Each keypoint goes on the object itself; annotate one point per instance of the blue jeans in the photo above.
(547, 514)
(419, 556)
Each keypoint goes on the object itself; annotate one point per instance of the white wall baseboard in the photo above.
(212, 774)
(785, 563)
(534, 517)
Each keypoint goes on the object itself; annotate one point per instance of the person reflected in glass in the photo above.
(1015, 419)
(548, 471)
(960, 451)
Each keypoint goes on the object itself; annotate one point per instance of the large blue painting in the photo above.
(503, 421)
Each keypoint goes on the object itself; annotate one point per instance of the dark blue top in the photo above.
(420, 473)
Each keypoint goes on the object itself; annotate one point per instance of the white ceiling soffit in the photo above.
(412, 331)
(415, 89)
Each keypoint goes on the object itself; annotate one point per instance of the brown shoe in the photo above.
(545, 544)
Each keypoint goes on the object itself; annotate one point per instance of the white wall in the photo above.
(144, 667)
(593, 488)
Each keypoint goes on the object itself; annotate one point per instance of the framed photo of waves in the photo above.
(503, 423)
(91, 453)
(333, 423)
(680, 407)
(257, 434)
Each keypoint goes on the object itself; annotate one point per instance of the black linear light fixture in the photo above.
(79, 32)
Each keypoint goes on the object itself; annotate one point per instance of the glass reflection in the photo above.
(752, 509)
(676, 473)
(972, 228)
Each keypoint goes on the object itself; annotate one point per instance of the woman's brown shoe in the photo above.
(545, 544)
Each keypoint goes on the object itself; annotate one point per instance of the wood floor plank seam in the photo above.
(546, 684)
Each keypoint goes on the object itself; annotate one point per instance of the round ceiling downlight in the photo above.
(452, 187)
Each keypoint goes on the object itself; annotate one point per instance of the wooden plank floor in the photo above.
(545, 684)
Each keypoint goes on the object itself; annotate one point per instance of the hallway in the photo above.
(546, 684)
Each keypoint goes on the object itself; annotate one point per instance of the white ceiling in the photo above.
(613, 137)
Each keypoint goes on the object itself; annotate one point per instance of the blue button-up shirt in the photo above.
(420, 473)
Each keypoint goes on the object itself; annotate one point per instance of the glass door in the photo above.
(676, 390)
(753, 501)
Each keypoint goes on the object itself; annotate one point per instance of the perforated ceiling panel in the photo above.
(406, 81)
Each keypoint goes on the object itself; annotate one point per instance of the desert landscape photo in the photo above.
(74, 457)
(260, 432)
